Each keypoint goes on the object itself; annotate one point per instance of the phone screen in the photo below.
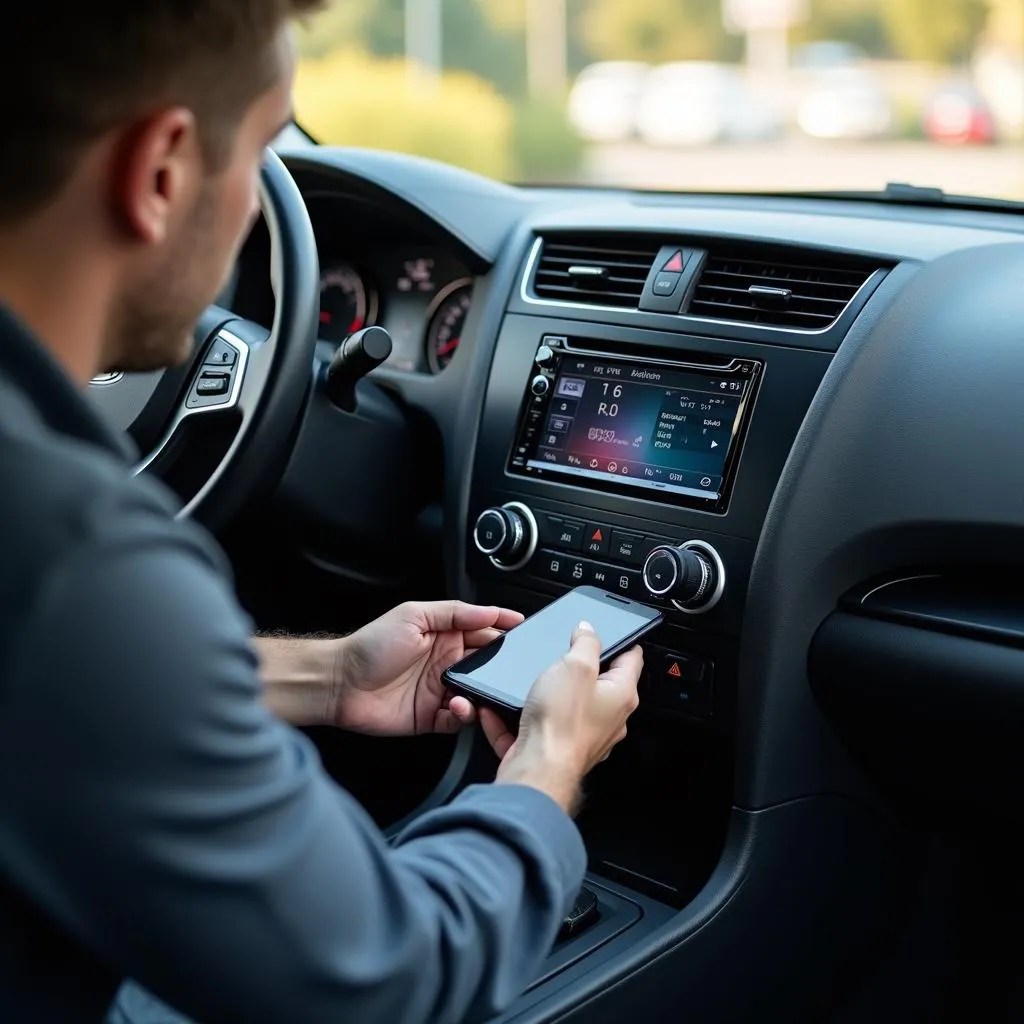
(507, 668)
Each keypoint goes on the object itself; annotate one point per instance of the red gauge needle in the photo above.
(451, 346)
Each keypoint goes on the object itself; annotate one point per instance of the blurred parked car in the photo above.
(698, 104)
(602, 104)
(956, 114)
(825, 54)
(845, 103)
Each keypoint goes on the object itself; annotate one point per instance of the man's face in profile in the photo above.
(163, 297)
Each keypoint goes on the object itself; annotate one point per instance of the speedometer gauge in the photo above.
(347, 303)
(447, 318)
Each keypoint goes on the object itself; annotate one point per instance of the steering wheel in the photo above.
(239, 376)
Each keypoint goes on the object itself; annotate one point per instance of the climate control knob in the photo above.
(691, 576)
(507, 535)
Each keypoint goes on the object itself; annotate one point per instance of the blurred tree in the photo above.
(478, 36)
(1006, 24)
(938, 31)
(657, 30)
(340, 26)
(853, 21)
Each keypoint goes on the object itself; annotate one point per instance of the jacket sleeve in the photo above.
(159, 814)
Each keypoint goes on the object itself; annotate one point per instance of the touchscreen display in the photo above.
(510, 665)
(643, 426)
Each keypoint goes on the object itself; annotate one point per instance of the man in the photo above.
(158, 820)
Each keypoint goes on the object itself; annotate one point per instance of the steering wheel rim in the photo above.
(268, 382)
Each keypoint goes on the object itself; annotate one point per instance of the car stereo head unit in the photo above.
(666, 429)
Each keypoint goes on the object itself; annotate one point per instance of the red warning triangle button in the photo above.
(598, 536)
(674, 670)
(674, 265)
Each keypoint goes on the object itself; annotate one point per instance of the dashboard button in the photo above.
(552, 565)
(627, 547)
(601, 576)
(628, 583)
(597, 539)
(684, 684)
(666, 284)
(566, 534)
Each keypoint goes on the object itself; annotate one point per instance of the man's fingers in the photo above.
(455, 717)
(480, 638)
(626, 668)
(508, 619)
(442, 616)
(497, 732)
(585, 646)
(463, 710)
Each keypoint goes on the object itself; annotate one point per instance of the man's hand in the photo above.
(388, 674)
(572, 720)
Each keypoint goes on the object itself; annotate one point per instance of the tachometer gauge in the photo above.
(447, 317)
(347, 303)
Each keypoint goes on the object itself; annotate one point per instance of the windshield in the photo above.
(682, 95)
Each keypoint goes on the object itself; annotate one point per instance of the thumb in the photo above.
(585, 644)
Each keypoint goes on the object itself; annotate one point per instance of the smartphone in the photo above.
(502, 673)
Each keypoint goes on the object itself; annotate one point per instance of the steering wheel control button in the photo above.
(597, 539)
(626, 547)
(210, 384)
(685, 684)
(221, 354)
(540, 385)
(691, 576)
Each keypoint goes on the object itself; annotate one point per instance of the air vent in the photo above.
(797, 290)
(597, 272)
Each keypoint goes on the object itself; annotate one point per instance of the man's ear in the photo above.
(160, 159)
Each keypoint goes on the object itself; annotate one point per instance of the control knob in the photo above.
(691, 576)
(540, 385)
(507, 535)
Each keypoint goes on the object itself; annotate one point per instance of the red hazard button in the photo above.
(685, 685)
(675, 264)
(596, 539)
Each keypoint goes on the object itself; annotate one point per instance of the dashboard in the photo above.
(374, 274)
(758, 414)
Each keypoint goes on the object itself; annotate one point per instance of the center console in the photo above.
(642, 462)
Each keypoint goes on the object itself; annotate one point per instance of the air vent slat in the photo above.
(620, 270)
(733, 287)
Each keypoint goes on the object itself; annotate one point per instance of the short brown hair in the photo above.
(71, 70)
